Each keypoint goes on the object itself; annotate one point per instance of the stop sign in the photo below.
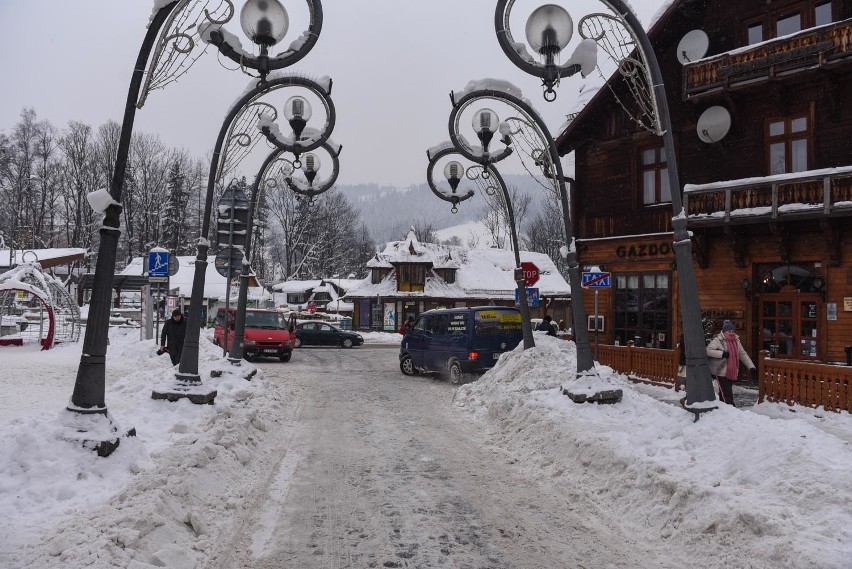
(531, 273)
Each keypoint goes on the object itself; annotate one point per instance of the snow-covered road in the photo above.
(375, 469)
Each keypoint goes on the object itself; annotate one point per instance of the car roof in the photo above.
(468, 309)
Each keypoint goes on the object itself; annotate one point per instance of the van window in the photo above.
(491, 322)
(457, 324)
(419, 326)
(437, 325)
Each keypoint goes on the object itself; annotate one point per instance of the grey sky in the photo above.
(393, 64)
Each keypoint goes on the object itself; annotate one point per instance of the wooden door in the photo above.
(788, 325)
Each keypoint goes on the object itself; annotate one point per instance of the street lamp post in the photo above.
(482, 175)
(265, 22)
(549, 31)
(528, 130)
(90, 419)
(274, 167)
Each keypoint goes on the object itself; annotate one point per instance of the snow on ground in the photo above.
(764, 487)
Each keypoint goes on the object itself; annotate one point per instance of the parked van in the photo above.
(268, 333)
(457, 341)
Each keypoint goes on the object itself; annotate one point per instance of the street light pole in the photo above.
(88, 397)
(266, 177)
(453, 172)
(551, 20)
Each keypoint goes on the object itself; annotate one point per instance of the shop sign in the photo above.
(639, 250)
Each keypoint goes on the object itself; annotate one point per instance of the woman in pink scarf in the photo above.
(725, 352)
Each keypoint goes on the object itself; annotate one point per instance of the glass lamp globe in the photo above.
(265, 22)
(297, 107)
(549, 28)
(311, 162)
(485, 120)
(453, 170)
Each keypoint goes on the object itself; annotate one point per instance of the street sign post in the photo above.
(533, 298)
(158, 262)
(531, 273)
(596, 280)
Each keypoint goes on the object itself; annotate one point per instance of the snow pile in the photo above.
(161, 496)
(769, 488)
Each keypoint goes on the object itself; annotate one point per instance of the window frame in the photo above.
(788, 137)
(769, 20)
(660, 170)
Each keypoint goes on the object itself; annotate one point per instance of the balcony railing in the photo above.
(811, 194)
(808, 49)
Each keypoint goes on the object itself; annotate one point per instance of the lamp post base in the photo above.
(192, 390)
(606, 396)
(697, 411)
(93, 430)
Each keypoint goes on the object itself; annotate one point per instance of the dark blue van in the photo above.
(456, 341)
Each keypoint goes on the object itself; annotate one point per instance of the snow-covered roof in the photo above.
(45, 257)
(481, 273)
(214, 283)
(293, 287)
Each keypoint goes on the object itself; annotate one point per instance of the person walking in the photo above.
(725, 352)
(172, 336)
(406, 325)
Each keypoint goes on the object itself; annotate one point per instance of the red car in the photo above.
(268, 333)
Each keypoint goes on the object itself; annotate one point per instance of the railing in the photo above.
(810, 48)
(779, 380)
(649, 365)
(815, 193)
(804, 383)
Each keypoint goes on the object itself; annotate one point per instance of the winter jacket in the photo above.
(173, 333)
(718, 364)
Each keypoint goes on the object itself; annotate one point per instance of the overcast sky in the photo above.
(393, 64)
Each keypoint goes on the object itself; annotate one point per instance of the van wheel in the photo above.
(455, 371)
(346, 342)
(406, 366)
(285, 357)
(298, 343)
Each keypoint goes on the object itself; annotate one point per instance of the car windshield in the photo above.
(271, 320)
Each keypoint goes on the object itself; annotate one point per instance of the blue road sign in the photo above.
(533, 299)
(158, 263)
(596, 280)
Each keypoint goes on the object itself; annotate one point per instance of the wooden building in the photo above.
(409, 277)
(759, 97)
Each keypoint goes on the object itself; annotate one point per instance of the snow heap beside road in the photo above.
(771, 488)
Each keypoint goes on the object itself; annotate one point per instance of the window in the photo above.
(641, 309)
(822, 14)
(655, 176)
(755, 33)
(788, 142)
(411, 278)
(789, 24)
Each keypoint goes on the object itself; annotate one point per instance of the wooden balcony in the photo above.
(809, 49)
(804, 195)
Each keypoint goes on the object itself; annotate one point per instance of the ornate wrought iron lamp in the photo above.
(621, 36)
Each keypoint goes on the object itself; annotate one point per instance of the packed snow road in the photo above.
(375, 469)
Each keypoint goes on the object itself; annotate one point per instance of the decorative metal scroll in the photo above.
(277, 174)
(448, 195)
(242, 137)
(615, 38)
(178, 46)
(531, 148)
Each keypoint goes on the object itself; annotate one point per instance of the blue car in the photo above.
(459, 341)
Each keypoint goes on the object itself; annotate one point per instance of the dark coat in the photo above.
(173, 333)
(546, 326)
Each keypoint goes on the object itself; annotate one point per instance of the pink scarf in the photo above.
(733, 370)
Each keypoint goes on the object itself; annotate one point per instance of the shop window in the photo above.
(788, 143)
(642, 309)
(654, 176)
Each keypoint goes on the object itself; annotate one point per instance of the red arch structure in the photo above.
(25, 286)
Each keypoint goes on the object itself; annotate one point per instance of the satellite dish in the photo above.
(714, 124)
(693, 46)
